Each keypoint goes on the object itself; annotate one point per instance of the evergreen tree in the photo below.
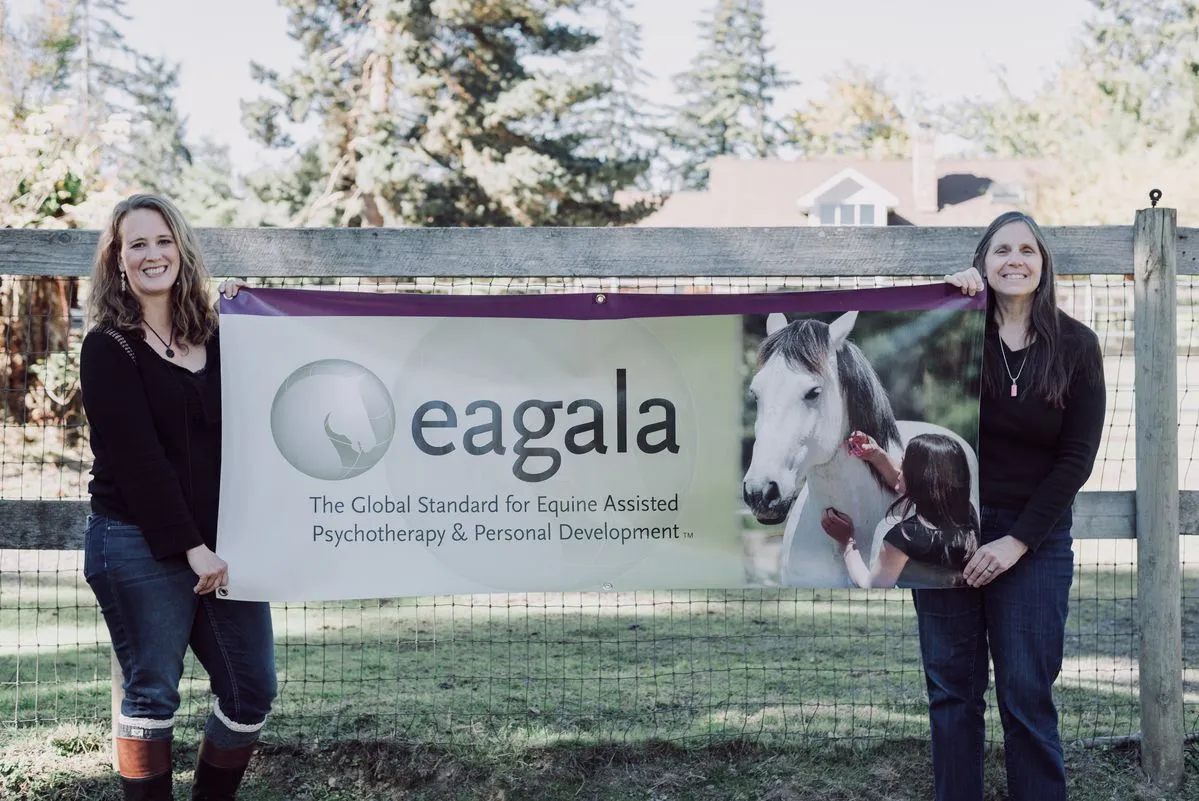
(160, 155)
(117, 80)
(728, 93)
(627, 127)
(76, 52)
(205, 190)
(439, 113)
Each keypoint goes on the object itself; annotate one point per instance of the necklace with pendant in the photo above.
(170, 354)
(1016, 377)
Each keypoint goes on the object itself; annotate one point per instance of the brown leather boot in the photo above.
(145, 767)
(219, 771)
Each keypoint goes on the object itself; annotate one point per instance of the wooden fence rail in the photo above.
(1152, 250)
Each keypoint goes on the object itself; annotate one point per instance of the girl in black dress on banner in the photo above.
(935, 529)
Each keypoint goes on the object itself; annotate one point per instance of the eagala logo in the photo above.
(333, 419)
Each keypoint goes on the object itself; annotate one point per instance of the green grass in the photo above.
(627, 668)
(493, 685)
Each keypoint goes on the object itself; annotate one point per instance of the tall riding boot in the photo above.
(145, 767)
(219, 771)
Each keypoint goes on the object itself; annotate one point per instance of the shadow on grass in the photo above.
(723, 770)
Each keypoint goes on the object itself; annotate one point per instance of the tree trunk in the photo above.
(35, 321)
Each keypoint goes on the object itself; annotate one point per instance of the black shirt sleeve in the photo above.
(118, 410)
(899, 539)
(1077, 445)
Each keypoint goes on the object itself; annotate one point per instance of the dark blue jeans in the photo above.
(1020, 619)
(153, 616)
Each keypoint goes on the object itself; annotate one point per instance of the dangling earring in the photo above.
(124, 286)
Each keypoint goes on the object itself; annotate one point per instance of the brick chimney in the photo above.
(924, 168)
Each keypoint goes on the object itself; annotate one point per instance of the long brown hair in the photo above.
(1047, 372)
(192, 314)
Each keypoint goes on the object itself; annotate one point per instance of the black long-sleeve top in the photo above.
(1034, 457)
(156, 439)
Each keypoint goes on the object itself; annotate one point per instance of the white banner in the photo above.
(373, 447)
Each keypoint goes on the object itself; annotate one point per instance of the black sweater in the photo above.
(156, 439)
(1033, 457)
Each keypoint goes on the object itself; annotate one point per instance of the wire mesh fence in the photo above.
(762, 664)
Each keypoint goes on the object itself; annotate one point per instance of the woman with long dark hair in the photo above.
(1041, 418)
(150, 373)
(937, 526)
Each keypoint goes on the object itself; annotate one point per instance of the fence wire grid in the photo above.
(764, 664)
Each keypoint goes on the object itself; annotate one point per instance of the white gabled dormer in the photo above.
(848, 198)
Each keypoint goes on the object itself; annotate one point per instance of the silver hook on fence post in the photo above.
(1154, 196)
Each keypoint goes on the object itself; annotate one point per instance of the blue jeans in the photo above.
(1020, 619)
(153, 616)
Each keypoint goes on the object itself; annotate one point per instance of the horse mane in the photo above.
(805, 343)
(869, 407)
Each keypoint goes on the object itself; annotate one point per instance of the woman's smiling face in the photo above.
(1014, 261)
(149, 253)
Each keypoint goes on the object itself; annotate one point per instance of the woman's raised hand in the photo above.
(968, 280)
(230, 286)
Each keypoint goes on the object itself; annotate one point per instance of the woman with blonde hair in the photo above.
(150, 374)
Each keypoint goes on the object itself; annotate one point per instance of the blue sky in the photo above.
(941, 49)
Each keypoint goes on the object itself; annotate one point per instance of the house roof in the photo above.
(765, 192)
(848, 175)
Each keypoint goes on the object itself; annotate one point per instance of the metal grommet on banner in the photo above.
(601, 298)
(1154, 196)
(223, 592)
(608, 587)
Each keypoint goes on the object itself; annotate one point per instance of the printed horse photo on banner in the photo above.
(837, 405)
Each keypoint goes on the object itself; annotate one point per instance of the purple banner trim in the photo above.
(588, 306)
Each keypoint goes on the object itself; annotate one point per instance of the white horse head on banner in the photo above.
(813, 387)
(348, 425)
(332, 419)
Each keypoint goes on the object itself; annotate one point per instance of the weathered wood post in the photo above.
(1159, 588)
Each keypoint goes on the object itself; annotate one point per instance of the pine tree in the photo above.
(728, 92)
(204, 190)
(627, 127)
(439, 113)
(75, 51)
(161, 155)
(84, 58)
